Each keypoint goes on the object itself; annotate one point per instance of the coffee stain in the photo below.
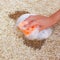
(17, 14)
(36, 44)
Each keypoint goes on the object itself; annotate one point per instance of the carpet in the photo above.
(12, 44)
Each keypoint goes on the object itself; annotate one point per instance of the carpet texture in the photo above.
(12, 44)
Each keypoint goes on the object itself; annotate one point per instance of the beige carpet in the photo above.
(12, 45)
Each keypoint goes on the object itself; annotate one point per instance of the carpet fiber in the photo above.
(12, 44)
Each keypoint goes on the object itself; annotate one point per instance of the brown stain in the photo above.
(36, 44)
(17, 14)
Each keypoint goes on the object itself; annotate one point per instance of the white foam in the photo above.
(22, 18)
(36, 34)
(45, 34)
